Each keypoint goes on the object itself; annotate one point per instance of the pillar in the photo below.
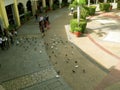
(96, 1)
(60, 2)
(88, 3)
(51, 3)
(44, 3)
(105, 1)
(4, 14)
(17, 17)
(34, 6)
(114, 1)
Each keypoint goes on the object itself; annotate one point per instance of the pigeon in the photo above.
(58, 72)
(75, 61)
(52, 51)
(55, 62)
(55, 55)
(83, 70)
(49, 56)
(73, 71)
(66, 55)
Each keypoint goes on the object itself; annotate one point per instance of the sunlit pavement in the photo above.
(26, 65)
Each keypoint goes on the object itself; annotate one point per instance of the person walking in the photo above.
(47, 22)
(1, 42)
(36, 17)
(41, 26)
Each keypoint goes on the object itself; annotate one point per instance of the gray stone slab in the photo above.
(51, 84)
(18, 61)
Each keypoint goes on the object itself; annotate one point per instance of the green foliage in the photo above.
(72, 5)
(75, 26)
(101, 6)
(118, 5)
(92, 10)
(84, 12)
(80, 2)
(75, 15)
(77, 29)
(54, 6)
(12, 27)
(105, 6)
(82, 25)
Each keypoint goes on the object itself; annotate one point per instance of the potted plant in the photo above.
(77, 31)
(110, 7)
(73, 24)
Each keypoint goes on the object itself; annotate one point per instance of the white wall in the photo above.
(8, 2)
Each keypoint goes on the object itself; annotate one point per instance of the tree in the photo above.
(79, 4)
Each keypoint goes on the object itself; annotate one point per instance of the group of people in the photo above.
(7, 38)
(44, 24)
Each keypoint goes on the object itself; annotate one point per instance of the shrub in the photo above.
(73, 24)
(105, 6)
(54, 6)
(75, 15)
(84, 12)
(92, 10)
(118, 5)
(12, 27)
(75, 27)
(101, 6)
(82, 25)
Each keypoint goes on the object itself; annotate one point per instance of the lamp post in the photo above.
(69, 1)
(78, 11)
(60, 2)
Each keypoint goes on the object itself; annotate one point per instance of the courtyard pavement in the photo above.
(26, 65)
(103, 34)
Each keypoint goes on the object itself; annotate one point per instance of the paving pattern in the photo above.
(26, 65)
(30, 79)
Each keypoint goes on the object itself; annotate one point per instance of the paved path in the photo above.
(102, 46)
(79, 70)
(26, 65)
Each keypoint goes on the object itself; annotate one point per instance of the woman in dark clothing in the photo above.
(41, 26)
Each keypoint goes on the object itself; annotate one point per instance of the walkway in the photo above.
(103, 45)
(26, 65)
(31, 63)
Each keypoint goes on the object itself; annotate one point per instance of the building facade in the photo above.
(12, 12)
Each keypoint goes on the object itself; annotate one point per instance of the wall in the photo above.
(8, 2)
(23, 2)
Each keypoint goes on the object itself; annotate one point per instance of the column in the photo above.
(105, 1)
(34, 6)
(4, 14)
(51, 3)
(96, 1)
(17, 17)
(44, 3)
(114, 1)
(88, 3)
(60, 2)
